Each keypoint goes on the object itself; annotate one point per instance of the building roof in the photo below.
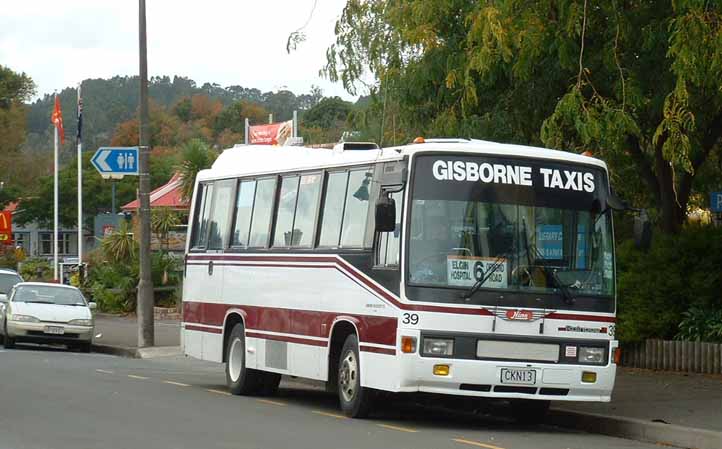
(167, 195)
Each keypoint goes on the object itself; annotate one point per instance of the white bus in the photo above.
(447, 266)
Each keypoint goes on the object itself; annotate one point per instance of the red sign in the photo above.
(273, 134)
(521, 315)
(6, 228)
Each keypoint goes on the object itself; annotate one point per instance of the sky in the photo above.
(231, 42)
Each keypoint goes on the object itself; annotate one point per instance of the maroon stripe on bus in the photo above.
(212, 330)
(355, 275)
(289, 339)
(371, 329)
(387, 351)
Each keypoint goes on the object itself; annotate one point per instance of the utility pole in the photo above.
(145, 285)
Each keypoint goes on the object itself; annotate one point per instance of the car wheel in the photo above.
(9, 342)
(356, 401)
(529, 411)
(240, 379)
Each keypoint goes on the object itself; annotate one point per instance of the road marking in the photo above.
(476, 443)
(266, 401)
(330, 415)
(178, 384)
(104, 371)
(133, 376)
(399, 428)
(218, 392)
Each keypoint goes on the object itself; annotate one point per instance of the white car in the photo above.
(38, 312)
(8, 279)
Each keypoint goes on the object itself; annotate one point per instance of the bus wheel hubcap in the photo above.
(348, 377)
(235, 360)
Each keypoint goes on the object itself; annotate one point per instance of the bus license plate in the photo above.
(518, 376)
(55, 330)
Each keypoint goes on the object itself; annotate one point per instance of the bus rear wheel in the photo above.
(240, 380)
(355, 400)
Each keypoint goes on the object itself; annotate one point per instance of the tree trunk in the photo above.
(672, 211)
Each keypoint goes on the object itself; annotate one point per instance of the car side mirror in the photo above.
(642, 230)
(385, 214)
(92, 305)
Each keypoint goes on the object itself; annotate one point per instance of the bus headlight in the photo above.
(592, 356)
(438, 347)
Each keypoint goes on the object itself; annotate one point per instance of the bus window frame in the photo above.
(225, 237)
(200, 208)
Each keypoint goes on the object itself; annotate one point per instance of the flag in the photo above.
(80, 115)
(57, 119)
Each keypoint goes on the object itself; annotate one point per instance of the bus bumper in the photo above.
(483, 378)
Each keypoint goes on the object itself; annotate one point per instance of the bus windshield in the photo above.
(522, 225)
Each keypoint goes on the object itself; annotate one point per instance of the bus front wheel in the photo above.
(355, 400)
(240, 379)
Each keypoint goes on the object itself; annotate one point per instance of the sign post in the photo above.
(116, 162)
(715, 205)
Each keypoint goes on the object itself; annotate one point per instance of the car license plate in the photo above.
(518, 376)
(55, 330)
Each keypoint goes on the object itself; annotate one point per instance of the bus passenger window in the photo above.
(357, 208)
(262, 210)
(333, 209)
(306, 207)
(282, 235)
(244, 207)
(203, 211)
(220, 216)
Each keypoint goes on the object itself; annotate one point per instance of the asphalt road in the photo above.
(52, 399)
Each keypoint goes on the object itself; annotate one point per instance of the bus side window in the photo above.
(244, 208)
(262, 213)
(221, 214)
(356, 210)
(332, 214)
(200, 220)
(283, 232)
(389, 243)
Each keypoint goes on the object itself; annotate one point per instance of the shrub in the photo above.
(677, 274)
(36, 269)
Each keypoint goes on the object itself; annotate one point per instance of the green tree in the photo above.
(637, 83)
(196, 156)
(120, 246)
(162, 221)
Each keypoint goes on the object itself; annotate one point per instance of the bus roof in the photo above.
(248, 160)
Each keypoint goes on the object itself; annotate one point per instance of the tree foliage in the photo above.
(196, 156)
(637, 83)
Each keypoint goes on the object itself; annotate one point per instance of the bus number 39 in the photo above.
(410, 318)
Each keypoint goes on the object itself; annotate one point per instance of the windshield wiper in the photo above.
(566, 294)
(487, 274)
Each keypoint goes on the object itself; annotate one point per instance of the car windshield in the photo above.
(7, 281)
(512, 224)
(48, 295)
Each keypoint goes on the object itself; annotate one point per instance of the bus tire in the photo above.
(529, 411)
(240, 380)
(355, 400)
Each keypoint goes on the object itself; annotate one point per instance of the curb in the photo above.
(121, 351)
(138, 353)
(637, 429)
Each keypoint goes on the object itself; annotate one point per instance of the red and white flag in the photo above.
(57, 119)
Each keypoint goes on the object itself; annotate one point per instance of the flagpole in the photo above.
(80, 184)
(55, 207)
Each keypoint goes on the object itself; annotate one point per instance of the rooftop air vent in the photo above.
(355, 146)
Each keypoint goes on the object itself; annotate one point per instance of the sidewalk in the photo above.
(119, 335)
(680, 409)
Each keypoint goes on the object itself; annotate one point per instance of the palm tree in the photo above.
(162, 221)
(120, 246)
(197, 156)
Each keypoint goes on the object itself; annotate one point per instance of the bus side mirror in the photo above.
(385, 214)
(642, 230)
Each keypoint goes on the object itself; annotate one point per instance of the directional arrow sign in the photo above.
(116, 162)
